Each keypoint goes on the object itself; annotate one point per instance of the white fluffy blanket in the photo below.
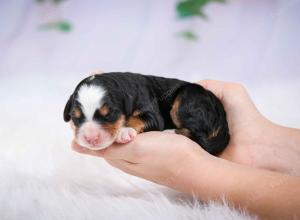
(48, 181)
(49, 184)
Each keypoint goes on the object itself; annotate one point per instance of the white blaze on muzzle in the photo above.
(91, 134)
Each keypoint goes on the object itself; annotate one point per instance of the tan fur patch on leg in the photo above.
(113, 128)
(214, 133)
(183, 131)
(136, 123)
(174, 111)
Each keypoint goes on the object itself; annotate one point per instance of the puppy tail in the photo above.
(200, 115)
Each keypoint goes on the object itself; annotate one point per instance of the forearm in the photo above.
(268, 146)
(282, 149)
(264, 193)
(284, 137)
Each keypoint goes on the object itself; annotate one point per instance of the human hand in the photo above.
(156, 156)
(255, 141)
(176, 161)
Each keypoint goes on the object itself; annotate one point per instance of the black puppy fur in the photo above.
(162, 103)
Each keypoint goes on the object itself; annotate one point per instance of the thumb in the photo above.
(216, 87)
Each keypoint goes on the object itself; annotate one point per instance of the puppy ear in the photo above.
(68, 108)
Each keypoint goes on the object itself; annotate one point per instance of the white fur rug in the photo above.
(82, 188)
(41, 178)
(48, 181)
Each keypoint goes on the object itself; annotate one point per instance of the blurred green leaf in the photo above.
(62, 26)
(191, 8)
(220, 1)
(53, 1)
(188, 8)
(57, 1)
(189, 35)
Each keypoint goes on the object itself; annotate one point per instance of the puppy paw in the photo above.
(126, 135)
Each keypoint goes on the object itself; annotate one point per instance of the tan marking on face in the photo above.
(136, 123)
(76, 113)
(183, 131)
(136, 113)
(104, 110)
(113, 128)
(174, 111)
(214, 133)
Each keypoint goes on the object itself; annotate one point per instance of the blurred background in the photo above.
(47, 46)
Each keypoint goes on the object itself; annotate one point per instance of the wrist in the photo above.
(278, 150)
(283, 136)
(192, 176)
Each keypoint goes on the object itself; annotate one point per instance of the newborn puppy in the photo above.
(115, 107)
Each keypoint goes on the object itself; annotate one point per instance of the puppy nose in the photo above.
(92, 139)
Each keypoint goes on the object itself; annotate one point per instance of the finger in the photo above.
(96, 72)
(121, 152)
(83, 150)
(138, 149)
(216, 87)
(123, 165)
(115, 151)
(135, 150)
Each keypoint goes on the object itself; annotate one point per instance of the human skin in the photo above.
(177, 162)
(255, 141)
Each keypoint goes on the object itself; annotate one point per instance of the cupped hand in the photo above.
(246, 124)
(255, 141)
(159, 156)
(152, 155)
(156, 156)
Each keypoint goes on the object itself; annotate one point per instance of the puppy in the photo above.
(115, 107)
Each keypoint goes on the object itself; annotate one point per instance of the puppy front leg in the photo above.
(138, 123)
(125, 135)
(146, 121)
